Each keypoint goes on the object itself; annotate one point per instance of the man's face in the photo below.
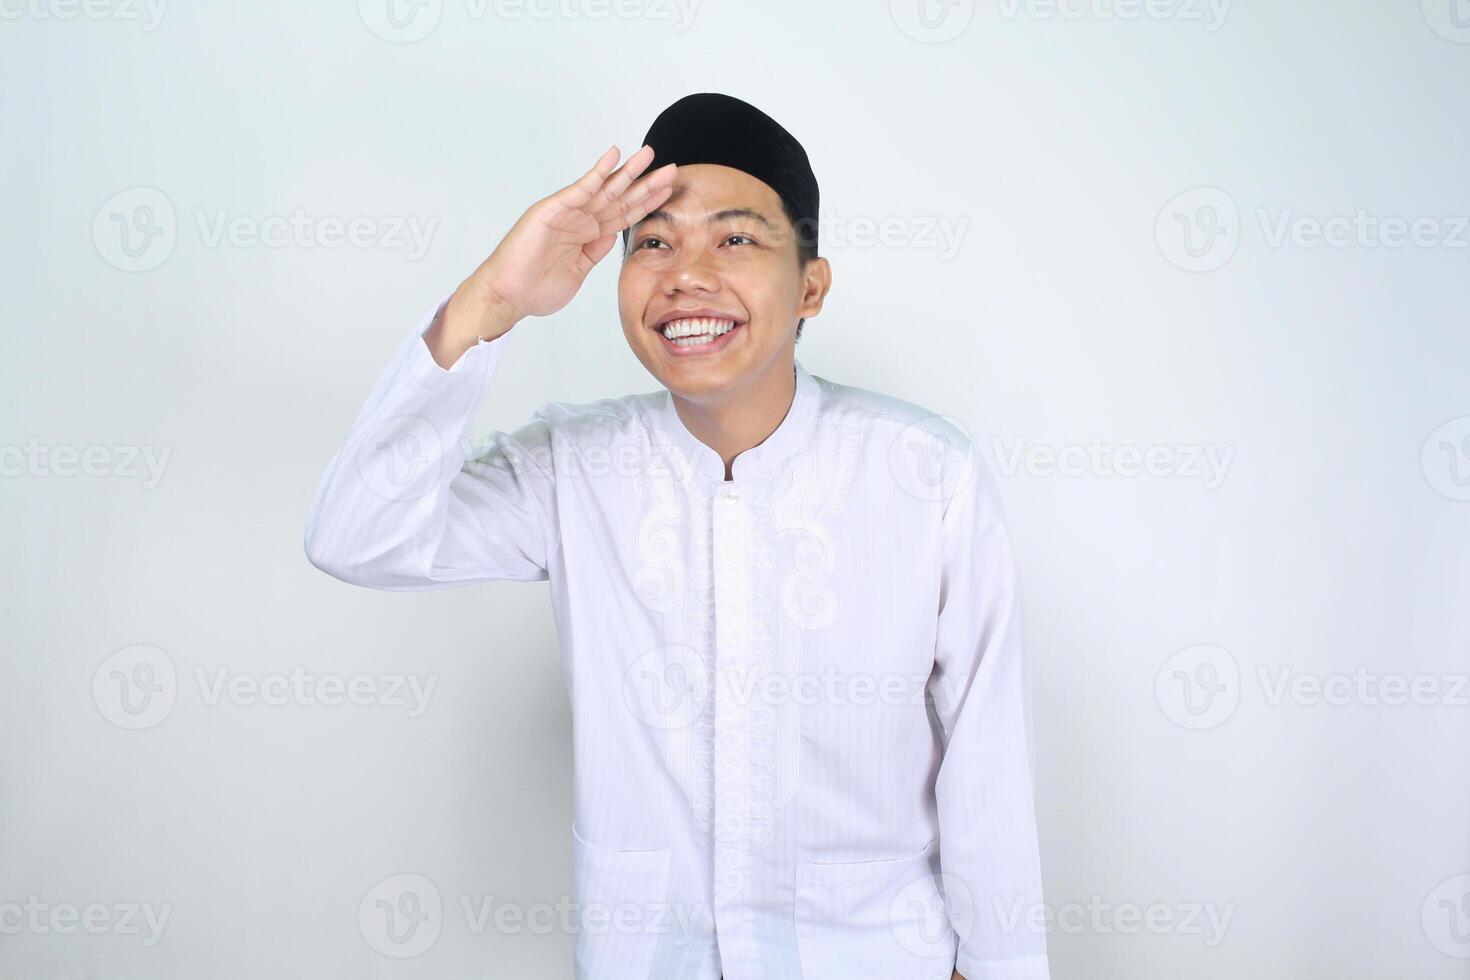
(721, 243)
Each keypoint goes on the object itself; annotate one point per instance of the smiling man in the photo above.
(788, 607)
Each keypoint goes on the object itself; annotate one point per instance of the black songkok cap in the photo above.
(712, 128)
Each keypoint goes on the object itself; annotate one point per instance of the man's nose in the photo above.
(692, 270)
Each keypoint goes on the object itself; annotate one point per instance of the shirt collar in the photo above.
(776, 447)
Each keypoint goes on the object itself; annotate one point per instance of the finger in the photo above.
(597, 251)
(580, 191)
(660, 178)
(613, 187)
(629, 213)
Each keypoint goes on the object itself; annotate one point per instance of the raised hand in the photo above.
(546, 256)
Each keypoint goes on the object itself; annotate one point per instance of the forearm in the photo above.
(472, 315)
(384, 515)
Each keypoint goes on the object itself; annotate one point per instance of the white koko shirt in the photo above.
(799, 729)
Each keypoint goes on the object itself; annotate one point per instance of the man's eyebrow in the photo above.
(724, 215)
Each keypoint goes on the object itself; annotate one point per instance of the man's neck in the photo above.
(741, 419)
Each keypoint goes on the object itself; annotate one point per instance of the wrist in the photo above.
(465, 320)
(476, 313)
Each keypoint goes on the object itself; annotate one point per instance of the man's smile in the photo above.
(697, 330)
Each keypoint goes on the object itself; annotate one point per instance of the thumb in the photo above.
(597, 250)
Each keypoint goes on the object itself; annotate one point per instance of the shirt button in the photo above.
(732, 495)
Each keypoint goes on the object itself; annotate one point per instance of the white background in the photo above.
(1331, 542)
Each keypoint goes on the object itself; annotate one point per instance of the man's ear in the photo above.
(816, 280)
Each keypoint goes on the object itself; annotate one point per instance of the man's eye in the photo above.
(645, 241)
(746, 238)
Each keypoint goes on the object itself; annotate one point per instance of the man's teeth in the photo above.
(695, 331)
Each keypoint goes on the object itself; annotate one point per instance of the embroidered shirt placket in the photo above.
(732, 859)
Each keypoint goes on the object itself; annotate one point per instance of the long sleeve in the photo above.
(401, 508)
(988, 842)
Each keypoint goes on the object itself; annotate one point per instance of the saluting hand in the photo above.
(546, 256)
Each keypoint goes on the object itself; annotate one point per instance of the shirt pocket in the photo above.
(872, 919)
(621, 909)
